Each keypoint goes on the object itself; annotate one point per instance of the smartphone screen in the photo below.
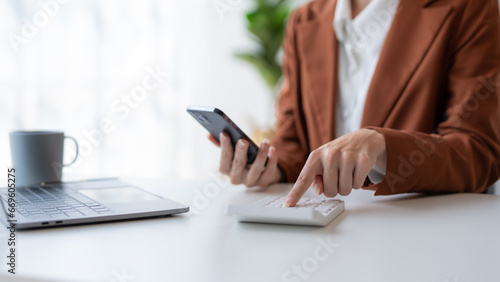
(215, 121)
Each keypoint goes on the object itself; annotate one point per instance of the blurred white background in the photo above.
(73, 65)
(76, 65)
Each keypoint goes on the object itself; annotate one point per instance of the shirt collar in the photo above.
(376, 17)
(342, 19)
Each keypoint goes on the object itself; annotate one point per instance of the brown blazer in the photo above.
(434, 94)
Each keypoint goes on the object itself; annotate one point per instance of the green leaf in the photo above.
(266, 23)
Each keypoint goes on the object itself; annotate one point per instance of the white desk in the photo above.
(452, 238)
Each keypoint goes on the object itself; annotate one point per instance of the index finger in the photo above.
(305, 179)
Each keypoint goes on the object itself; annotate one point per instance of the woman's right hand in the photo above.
(234, 162)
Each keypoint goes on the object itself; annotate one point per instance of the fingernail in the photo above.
(264, 144)
(288, 202)
(222, 137)
(272, 150)
(241, 143)
(316, 189)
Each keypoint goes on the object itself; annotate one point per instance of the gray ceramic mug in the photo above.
(37, 156)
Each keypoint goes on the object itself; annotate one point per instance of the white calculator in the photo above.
(308, 211)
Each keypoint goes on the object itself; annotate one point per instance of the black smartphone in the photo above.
(215, 121)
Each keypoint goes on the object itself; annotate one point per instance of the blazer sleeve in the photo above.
(289, 139)
(464, 155)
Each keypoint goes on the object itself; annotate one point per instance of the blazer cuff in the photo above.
(388, 185)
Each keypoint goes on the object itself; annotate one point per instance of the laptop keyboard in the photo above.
(54, 202)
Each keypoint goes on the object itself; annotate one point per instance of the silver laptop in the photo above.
(56, 204)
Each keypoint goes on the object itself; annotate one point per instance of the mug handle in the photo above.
(76, 155)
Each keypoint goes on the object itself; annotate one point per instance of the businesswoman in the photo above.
(390, 95)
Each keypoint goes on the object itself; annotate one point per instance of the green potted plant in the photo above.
(266, 23)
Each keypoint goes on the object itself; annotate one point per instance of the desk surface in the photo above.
(450, 238)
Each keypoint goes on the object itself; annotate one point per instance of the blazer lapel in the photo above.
(318, 47)
(413, 30)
